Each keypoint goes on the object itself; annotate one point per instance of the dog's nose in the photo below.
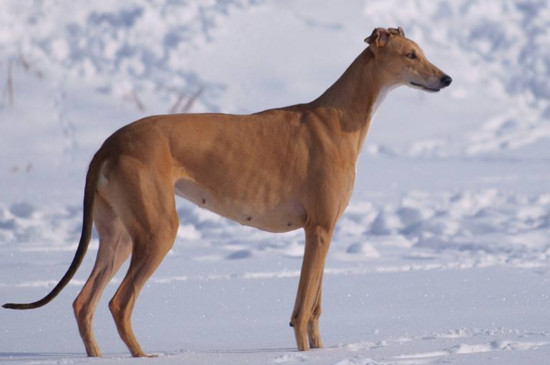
(446, 80)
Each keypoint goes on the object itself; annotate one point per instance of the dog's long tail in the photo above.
(89, 195)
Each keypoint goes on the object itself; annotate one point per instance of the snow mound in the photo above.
(151, 52)
(131, 50)
(498, 227)
(514, 226)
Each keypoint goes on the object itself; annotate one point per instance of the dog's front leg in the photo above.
(307, 309)
(313, 324)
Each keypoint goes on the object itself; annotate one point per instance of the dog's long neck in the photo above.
(355, 96)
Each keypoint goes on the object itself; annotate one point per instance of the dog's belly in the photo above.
(283, 216)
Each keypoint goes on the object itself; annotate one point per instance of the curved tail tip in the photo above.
(11, 306)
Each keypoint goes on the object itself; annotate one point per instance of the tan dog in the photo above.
(277, 170)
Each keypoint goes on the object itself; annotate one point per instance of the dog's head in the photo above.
(404, 62)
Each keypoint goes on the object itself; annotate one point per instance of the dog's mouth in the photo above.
(425, 88)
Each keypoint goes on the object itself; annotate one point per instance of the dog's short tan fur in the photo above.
(277, 170)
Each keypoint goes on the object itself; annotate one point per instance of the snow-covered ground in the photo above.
(443, 255)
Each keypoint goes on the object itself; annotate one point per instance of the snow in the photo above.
(442, 256)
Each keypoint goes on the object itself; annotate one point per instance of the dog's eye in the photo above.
(411, 55)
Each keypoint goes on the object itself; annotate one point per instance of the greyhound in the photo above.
(277, 170)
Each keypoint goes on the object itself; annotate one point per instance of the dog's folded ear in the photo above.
(379, 37)
(397, 31)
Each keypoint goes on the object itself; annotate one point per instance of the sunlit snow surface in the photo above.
(441, 257)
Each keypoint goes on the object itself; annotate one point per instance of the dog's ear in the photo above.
(397, 31)
(379, 37)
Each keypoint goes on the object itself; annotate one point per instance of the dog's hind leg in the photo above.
(114, 248)
(144, 261)
(152, 222)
